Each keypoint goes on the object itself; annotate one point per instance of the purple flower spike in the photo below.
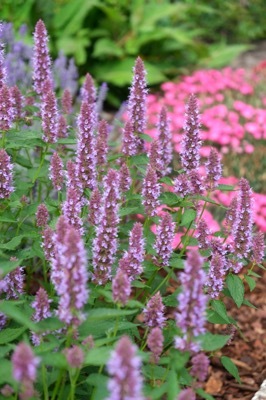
(129, 146)
(165, 140)
(155, 156)
(154, 312)
(56, 172)
(58, 239)
(191, 142)
(94, 207)
(67, 102)
(24, 365)
(13, 283)
(48, 243)
(215, 278)
(182, 186)
(187, 394)
(102, 93)
(242, 229)
(88, 91)
(231, 214)
(196, 183)
(62, 127)
(41, 59)
(105, 242)
(42, 215)
(121, 287)
(213, 169)
(73, 180)
(41, 305)
(72, 288)
(202, 235)
(155, 343)
(6, 179)
(200, 364)
(6, 109)
(101, 145)
(86, 151)
(192, 303)
(124, 367)
(17, 100)
(258, 248)
(3, 76)
(49, 117)
(164, 237)
(74, 356)
(150, 192)
(124, 179)
(72, 210)
(137, 101)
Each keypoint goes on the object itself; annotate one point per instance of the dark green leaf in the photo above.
(230, 367)
(236, 288)
(219, 307)
(8, 335)
(188, 216)
(251, 282)
(210, 342)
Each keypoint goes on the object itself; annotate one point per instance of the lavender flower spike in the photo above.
(213, 169)
(137, 101)
(164, 237)
(94, 209)
(155, 343)
(242, 229)
(56, 172)
(6, 178)
(129, 146)
(72, 210)
(154, 312)
(150, 192)
(121, 287)
(2, 61)
(50, 117)
(101, 145)
(187, 394)
(42, 215)
(41, 59)
(191, 143)
(218, 267)
(25, 369)
(124, 178)
(165, 140)
(192, 303)
(6, 109)
(124, 367)
(105, 242)
(41, 305)
(200, 365)
(258, 248)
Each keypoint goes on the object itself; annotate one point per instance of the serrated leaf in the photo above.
(230, 367)
(210, 342)
(219, 307)
(236, 288)
(251, 282)
(215, 318)
(8, 335)
(169, 198)
(188, 216)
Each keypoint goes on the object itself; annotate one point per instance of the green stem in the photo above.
(44, 382)
(57, 386)
(43, 155)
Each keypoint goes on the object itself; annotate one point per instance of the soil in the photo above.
(247, 349)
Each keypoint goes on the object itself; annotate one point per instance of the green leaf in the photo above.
(8, 335)
(215, 318)
(56, 360)
(247, 303)
(6, 372)
(219, 307)
(98, 356)
(204, 395)
(141, 159)
(230, 367)
(108, 313)
(188, 216)
(223, 54)
(226, 188)
(173, 387)
(169, 199)
(236, 288)
(128, 210)
(145, 137)
(13, 312)
(251, 282)
(105, 47)
(50, 324)
(210, 342)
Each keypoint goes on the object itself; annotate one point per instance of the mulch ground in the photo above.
(247, 350)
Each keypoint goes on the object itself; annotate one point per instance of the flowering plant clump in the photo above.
(110, 269)
(232, 105)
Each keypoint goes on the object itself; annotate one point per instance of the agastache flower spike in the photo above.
(202, 235)
(182, 186)
(242, 230)
(105, 243)
(24, 365)
(6, 168)
(200, 365)
(67, 102)
(155, 343)
(6, 109)
(215, 278)
(154, 312)
(231, 214)
(191, 143)
(137, 101)
(132, 260)
(17, 100)
(101, 97)
(13, 283)
(72, 210)
(124, 179)
(258, 248)
(2, 61)
(213, 169)
(48, 243)
(41, 59)
(94, 207)
(42, 215)
(155, 156)
(124, 367)
(101, 144)
(50, 117)
(41, 305)
(74, 356)
(72, 181)
(150, 192)
(72, 288)
(192, 303)
(129, 146)
(164, 236)
(165, 140)
(86, 151)
(121, 287)
(58, 243)
(56, 172)
(187, 394)
(62, 127)
(88, 91)
(196, 182)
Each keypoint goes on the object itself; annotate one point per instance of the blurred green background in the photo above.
(173, 37)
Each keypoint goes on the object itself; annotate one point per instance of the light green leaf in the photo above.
(188, 216)
(236, 288)
(251, 282)
(230, 367)
(98, 356)
(210, 342)
(8, 335)
(14, 312)
(219, 307)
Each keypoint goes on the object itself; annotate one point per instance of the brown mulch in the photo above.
(247, 350)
